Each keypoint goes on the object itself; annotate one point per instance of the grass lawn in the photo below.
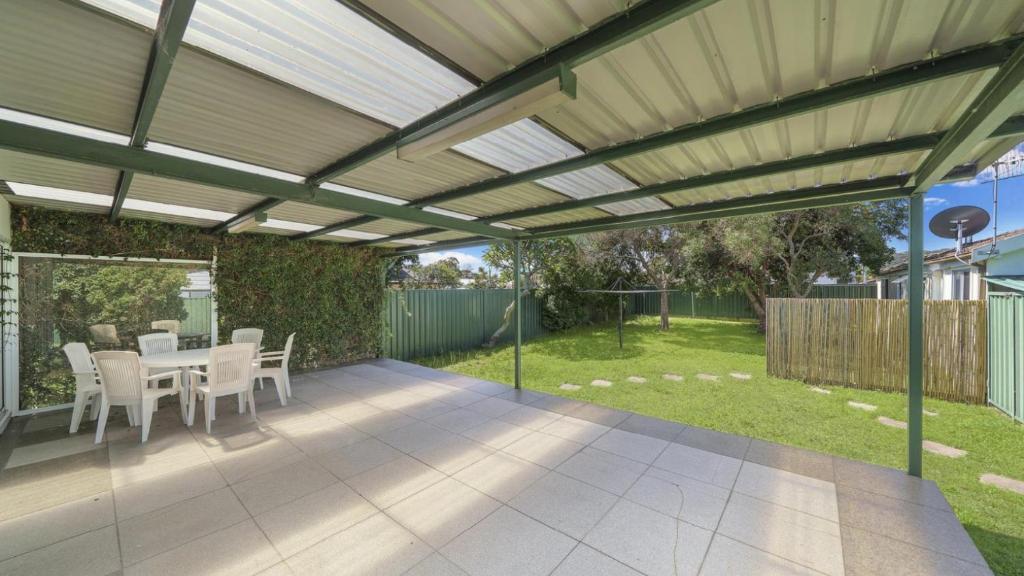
(783, 411)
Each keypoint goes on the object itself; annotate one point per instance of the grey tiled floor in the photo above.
(389, 468)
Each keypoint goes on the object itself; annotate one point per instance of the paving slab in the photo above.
(601, 383)
(818, 390)
(862, 406)
(585, 561)
(740, 375)
(943, 450)
(509, 543)
(637, 379)
(565, 504)
(1003, 482)
(569, 387)
(713, 441)
(707, 377)
(886, 421)
(672, 377)
(869, 554)
(654, 427)
(791, 459)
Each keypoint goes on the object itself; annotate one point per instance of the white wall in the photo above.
(1007, 263)
(5, 220)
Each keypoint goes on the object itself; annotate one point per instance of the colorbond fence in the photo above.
(862, 343)
(1006, 353)
(735, 305)
(198, 319)
(427, 322)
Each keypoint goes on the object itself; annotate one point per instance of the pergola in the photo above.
(421, 126)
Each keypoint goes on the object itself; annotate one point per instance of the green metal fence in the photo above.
(735, 305)
(1006, 353)
(427, 322)
(199, 311)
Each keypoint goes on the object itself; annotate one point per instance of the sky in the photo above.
(976, 192)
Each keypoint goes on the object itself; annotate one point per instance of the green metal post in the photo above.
(517, 286)
(915, 292)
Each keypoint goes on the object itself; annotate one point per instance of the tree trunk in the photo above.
(664, 308)
(758, 305)
(506, 321)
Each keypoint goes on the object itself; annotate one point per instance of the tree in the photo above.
(653, 254)
(793, 249)
(444, 273)
(483, 279)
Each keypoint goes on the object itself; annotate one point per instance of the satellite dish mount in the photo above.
(959, 223)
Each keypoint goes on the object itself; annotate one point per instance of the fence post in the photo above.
(915, 302)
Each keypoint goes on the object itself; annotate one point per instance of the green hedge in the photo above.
(330, 295)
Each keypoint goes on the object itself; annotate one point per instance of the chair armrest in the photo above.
(198, 373)
(270, 357)
(162, 375)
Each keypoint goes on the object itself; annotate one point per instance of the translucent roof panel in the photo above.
(317, 45)
(75, 197)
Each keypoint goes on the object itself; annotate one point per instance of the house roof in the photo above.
(675, 109)
(899, 260)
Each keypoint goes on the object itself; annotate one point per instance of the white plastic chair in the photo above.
(229, 372)
(249, 335)
(172, 326)
(87, 385)
(158, 343)
(125, 384)
(278, 373)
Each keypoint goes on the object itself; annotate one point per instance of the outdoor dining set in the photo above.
(136, 380)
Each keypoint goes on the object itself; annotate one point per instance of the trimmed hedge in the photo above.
(330, 295)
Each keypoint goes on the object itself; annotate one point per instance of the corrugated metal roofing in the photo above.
(145, 187)
(517, 197)
(387, 227)
(68, 62)
(42, 171)
(308, 214)
(412, 180)
(559, 217)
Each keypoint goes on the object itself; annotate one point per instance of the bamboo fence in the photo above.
(863, 344)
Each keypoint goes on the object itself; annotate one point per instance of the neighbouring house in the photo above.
(949, 276)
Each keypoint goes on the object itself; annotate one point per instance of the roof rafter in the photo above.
(630, 24)
(1001, 97)
(64, 146)
(170, 29)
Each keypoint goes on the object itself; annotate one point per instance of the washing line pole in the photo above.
(517, 267)
(915, 302)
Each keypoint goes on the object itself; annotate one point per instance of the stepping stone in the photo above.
(928, 413)
(894, 423)
(740, 375)
(601, 383)
(568, 386)
(707, 377)
(672, 377)
(943, 450)
(1003, 482)
(862, 406)
(637, 379)
(820, 390)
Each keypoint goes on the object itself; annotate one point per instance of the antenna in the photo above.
(959, 223)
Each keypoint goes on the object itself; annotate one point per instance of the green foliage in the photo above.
(330, 295)
(444, 273)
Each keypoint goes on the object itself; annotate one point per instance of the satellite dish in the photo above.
(959, 222)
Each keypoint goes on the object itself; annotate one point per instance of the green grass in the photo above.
(783, 411)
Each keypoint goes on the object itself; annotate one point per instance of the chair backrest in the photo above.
(230, 367)
(172, 326)
(104, 334)
(247, 335)
(120, 375)
(158, 343)
(287, 351)
(81, 363)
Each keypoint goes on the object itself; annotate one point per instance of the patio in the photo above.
(391, 468)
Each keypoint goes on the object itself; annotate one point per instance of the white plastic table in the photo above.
(177, 359)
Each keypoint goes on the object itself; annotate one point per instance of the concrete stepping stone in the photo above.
(862, 406)
(929, 413)
(570, 387)
(672, 377)
(893, 423)
(820, 390)
(601, 383)
(740, 375)
(637, 379)
(707, 377)
(1003, 483)
(943, 450)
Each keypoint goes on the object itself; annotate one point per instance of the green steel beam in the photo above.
(262, 206)
(624, 27)
(170, 29)
(350, 223)
(789, 200)
(1001, 97)
(402, 236)
(952, 64)
(915, 320)
(63, 146)
(517, 283)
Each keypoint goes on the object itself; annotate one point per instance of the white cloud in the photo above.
(466, 261)
(1012, 161)
(935, 201)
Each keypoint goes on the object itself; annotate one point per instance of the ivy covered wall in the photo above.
(330, 295)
